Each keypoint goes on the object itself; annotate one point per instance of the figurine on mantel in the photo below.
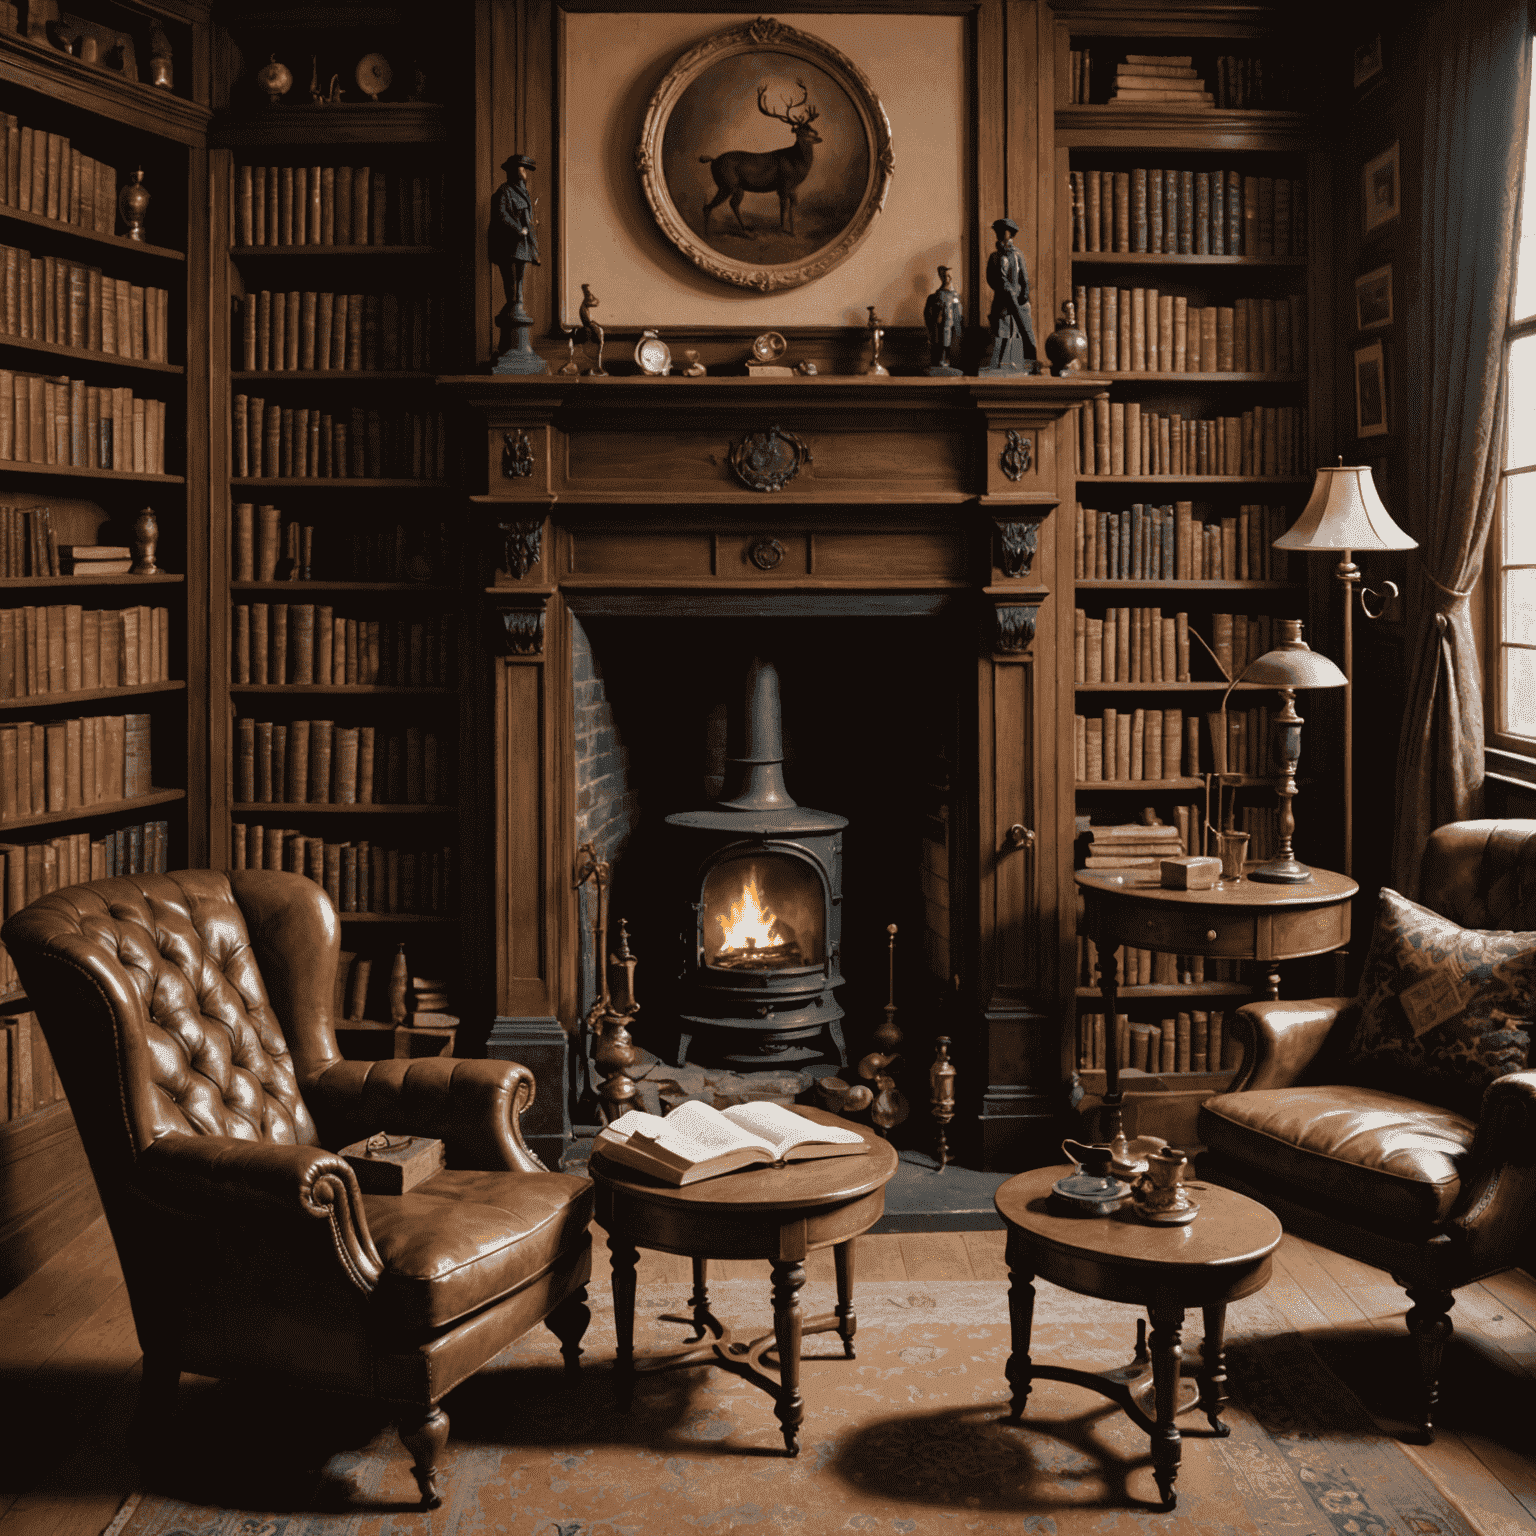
(594, 332)
(876, 368)
(1013, 328)
(513, 246)
(945, 320)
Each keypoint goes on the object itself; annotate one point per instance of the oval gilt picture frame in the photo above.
(727, 190)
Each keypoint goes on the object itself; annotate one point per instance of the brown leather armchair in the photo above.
(1436, 1198)
(190, 1017)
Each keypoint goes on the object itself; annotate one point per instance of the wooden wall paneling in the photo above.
(992, 131)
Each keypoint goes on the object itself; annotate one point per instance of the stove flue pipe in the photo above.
(755, 771)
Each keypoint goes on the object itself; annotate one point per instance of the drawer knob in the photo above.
(1210, 935)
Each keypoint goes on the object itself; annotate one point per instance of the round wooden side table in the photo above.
(779, 1214)
(1220, 1257)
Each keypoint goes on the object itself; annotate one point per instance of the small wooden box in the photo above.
(391, 1169)
(1191, 874)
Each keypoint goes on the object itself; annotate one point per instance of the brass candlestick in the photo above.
(615, 1053)
(890, 1105)
(941, 1085)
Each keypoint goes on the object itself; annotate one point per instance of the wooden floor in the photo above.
(69, 1366)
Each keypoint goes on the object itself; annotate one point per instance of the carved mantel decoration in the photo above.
(1015, 627)
(1017, 539)
(766, 553)
(520, 544)
(519, 631)
(768, 461)
(516, 454)
(1018, 455)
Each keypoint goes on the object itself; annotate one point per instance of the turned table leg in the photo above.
(1021, 1321)
(847, 1322)
(1167, 1325)
(625, 1258)
(1213, 1368)
(788, 1277)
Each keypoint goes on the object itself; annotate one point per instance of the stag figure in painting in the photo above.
(782, 170)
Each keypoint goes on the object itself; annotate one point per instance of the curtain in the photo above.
(1475, 69)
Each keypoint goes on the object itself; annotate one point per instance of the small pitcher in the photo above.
(1158, 1196)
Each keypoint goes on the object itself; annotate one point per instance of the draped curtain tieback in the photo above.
(1442, 622)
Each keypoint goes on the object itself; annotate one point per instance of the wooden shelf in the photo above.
(1121, 584)
(1194, 479)
(1190, 989)
(311, 584)
(1205, 687)
(92, 812)
(321, 688)
(68, 472)
(330, 375)
(84, 695)
(330, 252)
(123, 579)
(341, 482)
(299, 808)
(1127, 376)
(351, 122)
(1243, 781)
(74, 233)
(91, 355)
(1162, 259)
(395, 917)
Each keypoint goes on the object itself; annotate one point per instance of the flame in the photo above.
(750, 924)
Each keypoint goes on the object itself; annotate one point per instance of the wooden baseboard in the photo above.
(47, 1194)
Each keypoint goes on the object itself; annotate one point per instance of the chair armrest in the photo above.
(270, 1192)
(1496, 1210)
(1506, 1128)
(1281, 1040)
(472, 1106)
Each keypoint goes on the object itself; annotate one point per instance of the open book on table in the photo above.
(697, 1141)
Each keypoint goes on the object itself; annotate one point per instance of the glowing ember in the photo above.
(750, 924)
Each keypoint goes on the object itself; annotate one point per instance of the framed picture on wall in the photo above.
(1370, 391)
(1367, 61)
(1373, 300)
(1382, 190)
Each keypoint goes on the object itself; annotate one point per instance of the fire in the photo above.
(750, 924)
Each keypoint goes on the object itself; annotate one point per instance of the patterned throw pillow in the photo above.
(1443, 1010)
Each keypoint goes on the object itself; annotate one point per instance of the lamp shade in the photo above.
(1292, 664)
(1345, 512)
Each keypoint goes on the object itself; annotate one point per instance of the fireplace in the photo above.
(760, 899)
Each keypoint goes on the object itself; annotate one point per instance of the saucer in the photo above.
(1178, 1217)
(1090, 1193)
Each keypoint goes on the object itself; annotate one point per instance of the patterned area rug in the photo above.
(910, 1437)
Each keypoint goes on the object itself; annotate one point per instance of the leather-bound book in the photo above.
(136, 320)
(369, 664)
(51, 178)
(361, 179)
(1139, 226)
(53, 748)
(274, 198)
(298, 772)
(1284, 361)
(1137, 362)
(258, 205)
(415, 766)
(268, 542)
(1202, 214)
(365, 737)
(244, 208)
(244, 518)
(261, 669)
(325, 317)
(278, 660)
(1122, 212)
(325, 644)
(73, 778)
(356, 325)
(340, 320)
(313, 453)
(388, 351)
(75, 312)
(301, 205)
(1093, 321)
(272, 454)
(313, 223)
(259, 305)
(245, 760)
(327, 176)
(343, 224)
(266, 773)
(237, 846)
(1208, 355)
(394, 769)
(1296, 304)
(285, 205)
(343, 788)
(301, 623)
(378, 205)
(1267, 354)
(357, 996)
(23, 184)
(1109, 343)
(74, 661)
(351, 652)
(321, 748)
(331, 856)
(240, 646)
(277, 352)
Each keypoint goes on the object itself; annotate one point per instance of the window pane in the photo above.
(1520, 519)
(1522, 403)
(1520, 607)
(1520, 693)
(1525, 272)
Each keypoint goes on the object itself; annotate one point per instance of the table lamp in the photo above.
(1346, 514)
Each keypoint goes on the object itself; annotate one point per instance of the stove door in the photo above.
(763, 911)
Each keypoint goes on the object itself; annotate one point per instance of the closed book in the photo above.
(301, 624)
(361, 180)
(344, 763)
(136, 756)
(321, 733)
(245, 759)
(265, 779)
(365, 758)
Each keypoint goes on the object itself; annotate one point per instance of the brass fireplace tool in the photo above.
(606, 1025)
(941, 1085)
(890, 1105)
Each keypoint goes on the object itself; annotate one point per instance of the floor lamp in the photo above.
(1345, 514)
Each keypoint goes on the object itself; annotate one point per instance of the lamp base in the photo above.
(1280, 872)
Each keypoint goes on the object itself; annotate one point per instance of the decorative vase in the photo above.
(275, 79)
(1067, 346)
(133, 205)
(161, 65)
(146, 535)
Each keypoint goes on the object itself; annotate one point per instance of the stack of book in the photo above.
(64, 647)
(63, 421)
(95, 559)
(285, 332)
(336, 205)
(357, 876)
(28, 546)
(300, 442)
(1160, 80)
(427, 1005)
(68, 764)
(1132, 846)
(41, 174)
(317, 762)
(46, 298)
(1142, 330)
(308, 643)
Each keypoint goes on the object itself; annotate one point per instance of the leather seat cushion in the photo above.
(1398, 1161)
(463, 1239)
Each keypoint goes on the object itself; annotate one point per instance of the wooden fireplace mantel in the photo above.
(915, 496)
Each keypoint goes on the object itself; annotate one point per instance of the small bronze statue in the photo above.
(146, 536)
(571, 332)
(695, 369)
(876, 368)
(589, 302)
(1013, 329)
(513, 246)
(945, 320)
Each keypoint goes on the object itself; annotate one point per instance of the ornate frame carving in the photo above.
(766, 35)
(521, 540)
(1018, 538)
(520, 631)
(1014, 625)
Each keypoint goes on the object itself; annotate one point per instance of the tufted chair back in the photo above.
(1482, 874)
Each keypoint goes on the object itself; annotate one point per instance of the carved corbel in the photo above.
(516, 454)
(520, 542)
(519, 631)
(1014, 627)
(1018, 454)
(1017, 540)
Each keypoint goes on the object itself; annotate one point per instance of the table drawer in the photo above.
(1181, 931)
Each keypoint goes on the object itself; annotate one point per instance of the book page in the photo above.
(699, 1131)
(783, 1128)
(636, 1122)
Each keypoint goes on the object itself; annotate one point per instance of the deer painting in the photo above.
(740, 171)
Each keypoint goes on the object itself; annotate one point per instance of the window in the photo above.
(1513, 716)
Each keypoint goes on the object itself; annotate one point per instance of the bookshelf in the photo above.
(1195, 232)
(102, 674)
(338, 563)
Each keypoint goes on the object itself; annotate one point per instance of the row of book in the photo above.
(1122, 437)
(1145, 645)
(1188, 1042)
(421, 1002)
(1154, 745)
(28, 543)
(265, 548)
(286, 332)
(65, 765)
(28, 1078)
(336, 205)
(357, 876)
(1239, 81)
(307, 444)
(1169, 543)
(309, 643)
(64, 647)
(42, 174)
(1149, 967)
(57, 420)
(1142, 330)
(1188, 213)
(318, 762)
(46, 298)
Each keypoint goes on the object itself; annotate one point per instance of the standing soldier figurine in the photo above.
(513, 246)
(945, 321)
(1013, 331)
